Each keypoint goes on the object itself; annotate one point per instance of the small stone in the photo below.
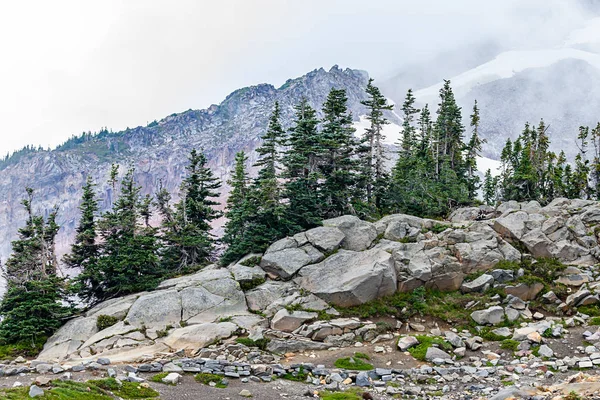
(172, 378)
(545, 351)
(35, 391)
(103, 361)
(416, 327)
(538, 315)
(245, 393)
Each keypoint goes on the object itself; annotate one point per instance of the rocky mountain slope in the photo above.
(159, 151)
(505, 317)
(512, 87)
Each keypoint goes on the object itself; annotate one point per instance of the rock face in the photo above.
(344, 263)
(349, 278)
(159, 151)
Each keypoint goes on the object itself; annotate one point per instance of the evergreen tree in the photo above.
(473, 151)
(31, 309)
(84, 251)
(489, 189)
(301, 164)
(338, 166)
(595, 164)
(187, 241)
(128, 260)
(373, 175)
(239, 213)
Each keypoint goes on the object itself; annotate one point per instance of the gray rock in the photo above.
(156, 310)
(172, 378)
(406, 342)
(478, 285)
(502, 275)
(524, 291)
(491, 316)
(454, 339)
(433, 353)
(35, 391)
(282, 346)
(350, 278)
(362, 379)
(286, 321)
(325, 238)
(359, 235)
(285, 263)
(545, 351)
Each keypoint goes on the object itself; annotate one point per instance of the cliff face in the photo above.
(158, 151)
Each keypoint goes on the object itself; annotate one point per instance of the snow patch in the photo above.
(391, 131)
(484, 163)
(506, 65)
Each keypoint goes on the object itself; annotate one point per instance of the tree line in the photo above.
(317, 168)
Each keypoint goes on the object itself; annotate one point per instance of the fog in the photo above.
(73, 66)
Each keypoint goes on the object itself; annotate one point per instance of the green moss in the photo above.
(206, 379)
(438, 228)
(9, 351)
(126, 390)
(362, 356)
(252, 261)
(297, 376)
(249, 285)
(92, 390)
(353, 363)
(592, 310)
(509, 344)
(594, 321)
(340, 396)
(535, 350)
(487, 334)
(158, 378)
(260, 343)
(426, 342)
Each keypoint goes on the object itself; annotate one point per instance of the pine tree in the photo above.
(595, 164)
(489, 189)
(239, 213)
(339, 165)
(128, 260)
(374, 177)
(473, 151)
(267, 220)
(31, 309)
(84, 251)
(301, 163)
(187, 241)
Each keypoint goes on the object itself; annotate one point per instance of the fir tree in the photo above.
(373, 176)
(239, 213)
(187, 240)
(301, 170)
(85, 251)
(31, 309)
(473, 151)
(128, 260)
(489, 189)
(338, 166)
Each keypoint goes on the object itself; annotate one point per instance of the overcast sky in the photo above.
(73, 66)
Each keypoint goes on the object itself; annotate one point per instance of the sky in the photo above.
(73, 66)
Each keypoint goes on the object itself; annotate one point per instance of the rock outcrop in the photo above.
(282, 293)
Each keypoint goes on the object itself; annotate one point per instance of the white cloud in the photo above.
(69, 66)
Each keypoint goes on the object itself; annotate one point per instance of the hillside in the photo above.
(159, 150)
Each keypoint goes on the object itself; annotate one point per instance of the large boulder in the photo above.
(325, 238)
(478, 285)
(359, 235)
(491, 316)
(350, 278)
(286, 321)
(512, 226)
(156, 310)
(261, 297)
(283, 259)
(195, 337)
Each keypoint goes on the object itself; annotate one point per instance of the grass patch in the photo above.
(535, 350)
(509, 344)
(206, 379)
(362, 356)
(105, 321)
(296, 376)
(251, 261)
(260, 343)
(340, 396)
(249, 285)
(592, 310)
(25, 349)
(426, 342)
(353, 363)
(487, 334)
(158, 378)
(105, 389)
(594, 321)
(126, 390)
